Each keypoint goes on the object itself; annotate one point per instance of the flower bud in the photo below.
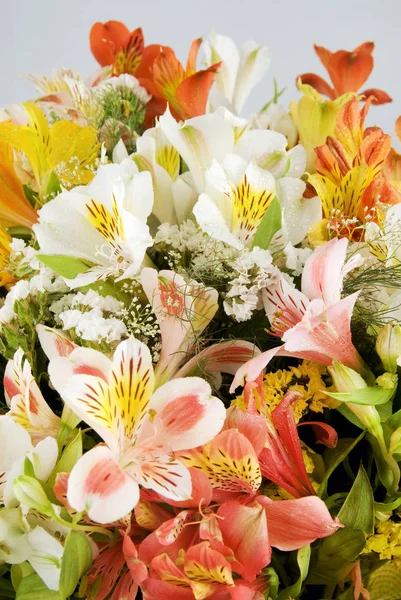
(395, 442)
(346, 379)
(388, 346)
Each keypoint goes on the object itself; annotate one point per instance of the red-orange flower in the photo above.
(348, 71)
(157, 69)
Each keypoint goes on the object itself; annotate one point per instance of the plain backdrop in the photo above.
(40, 35)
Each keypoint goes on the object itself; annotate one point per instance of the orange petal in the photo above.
(380, 190)
(398, 128)
(365, 47)
(168, 73)
(318, 83)
(193, 92)
(192, 57)
(392, 167)
(129, 56)
(374, 148)
(349, 70)
(377, 96)
(106, 39)
(15, 209)
(324, 54)
(149, 55)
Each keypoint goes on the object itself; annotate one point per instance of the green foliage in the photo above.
(335, 556)
(76, 560)
(33, 588)
(358, 510)
(269, 225)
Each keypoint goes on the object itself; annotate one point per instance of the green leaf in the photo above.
(18, 572)
(333, 457)
(53, 186)
(65, 266)
(6, 589)
(70, 456)
(369, 396)
(358, 510)
(269, 225)
(385, 582)
(76, 560)
(335, 556)
(303, 559)
(33, 588)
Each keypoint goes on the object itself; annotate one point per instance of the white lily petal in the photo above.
(299, 213)
(199, 141)
(255, 61)
(212, 222)
(46, 556)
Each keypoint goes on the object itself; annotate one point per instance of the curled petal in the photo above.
(378, 96)
(325, 434)
(248, 538)
(293, 524)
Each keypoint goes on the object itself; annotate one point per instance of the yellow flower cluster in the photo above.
(306, 378)
(386, 541)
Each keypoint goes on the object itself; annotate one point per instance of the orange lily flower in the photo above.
(348, 71)
(157, 69)
(392, 166)
(349, 178)
(15, 208)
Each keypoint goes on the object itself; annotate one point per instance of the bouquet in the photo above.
(200, 331)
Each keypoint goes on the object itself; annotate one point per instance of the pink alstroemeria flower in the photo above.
(142, 428)
(183, 310)
(245, 525)
(314, 323)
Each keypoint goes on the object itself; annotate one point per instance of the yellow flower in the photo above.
(306, 378)
(65, 149)
(386, 541)
(15, 208)
(315, 119)
(6, 276)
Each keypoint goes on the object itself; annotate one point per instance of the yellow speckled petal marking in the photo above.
(109, 225)
(249, 206)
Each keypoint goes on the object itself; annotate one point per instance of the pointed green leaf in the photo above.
(303, 559)
(69, 457)
(76, 560)
(65, 266)
(358, 510)
(269, 225)
(18, 572)
(336, 555)
(33, 588)
(333, 457)
(369, 396)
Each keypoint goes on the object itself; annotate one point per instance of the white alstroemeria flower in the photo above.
(14, 544)
(237, 196)
(103, 223)
(15, 446)
(240, 71)
(199, 141)
(277, 118)
(175, 194)
(45, 556)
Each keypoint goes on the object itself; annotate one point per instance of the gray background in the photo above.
(37, 36)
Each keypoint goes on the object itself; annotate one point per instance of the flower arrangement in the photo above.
(200, 331)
